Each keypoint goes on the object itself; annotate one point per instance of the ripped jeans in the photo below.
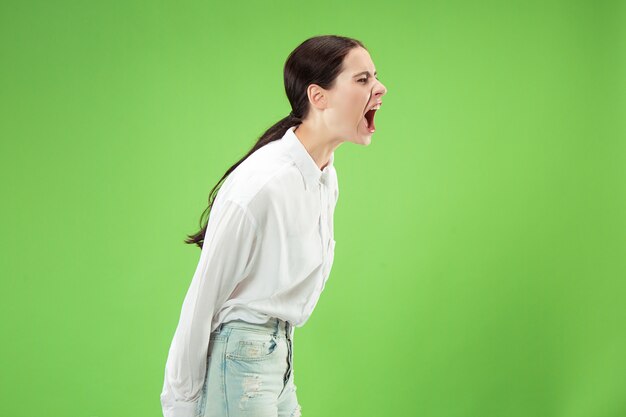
(250, 371)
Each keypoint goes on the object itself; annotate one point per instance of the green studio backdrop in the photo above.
(481, 236)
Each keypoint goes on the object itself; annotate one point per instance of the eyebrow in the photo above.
(364, 72)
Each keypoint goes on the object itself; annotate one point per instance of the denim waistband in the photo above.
(274, 325)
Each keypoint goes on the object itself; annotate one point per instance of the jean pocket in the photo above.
(249, 346)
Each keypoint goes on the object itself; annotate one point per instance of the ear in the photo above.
(317, 96)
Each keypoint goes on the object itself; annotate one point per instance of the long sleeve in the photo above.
(229, 249)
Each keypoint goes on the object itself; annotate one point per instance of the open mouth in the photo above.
(369, 120)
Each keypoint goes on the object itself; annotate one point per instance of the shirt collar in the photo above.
(308, 168)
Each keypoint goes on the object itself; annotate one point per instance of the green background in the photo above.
(481, 237)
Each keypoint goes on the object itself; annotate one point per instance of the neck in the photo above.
(318, 144)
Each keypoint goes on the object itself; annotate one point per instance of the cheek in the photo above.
(349, 105)
(351, 102)
(356, 101)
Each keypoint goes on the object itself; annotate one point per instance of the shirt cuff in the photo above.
(180, 409)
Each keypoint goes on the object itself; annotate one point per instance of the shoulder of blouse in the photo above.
(254, 190)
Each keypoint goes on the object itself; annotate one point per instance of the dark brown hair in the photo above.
(317, 60)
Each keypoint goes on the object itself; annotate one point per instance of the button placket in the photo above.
(325, 224)
(321, 216)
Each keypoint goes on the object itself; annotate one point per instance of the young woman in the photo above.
(268, 246)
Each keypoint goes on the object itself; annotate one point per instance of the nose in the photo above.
(379, 89)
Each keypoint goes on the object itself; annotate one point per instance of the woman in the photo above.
(268, 246)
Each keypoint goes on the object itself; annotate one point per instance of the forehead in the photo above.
(357, 60)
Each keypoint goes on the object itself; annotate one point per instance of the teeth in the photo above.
(375, 107)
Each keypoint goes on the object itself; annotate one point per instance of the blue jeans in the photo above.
(250, 371)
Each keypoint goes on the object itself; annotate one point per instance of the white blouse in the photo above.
(267, 252)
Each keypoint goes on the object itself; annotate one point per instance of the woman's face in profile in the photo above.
(354, 93)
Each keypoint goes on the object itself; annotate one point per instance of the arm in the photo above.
(227, 254)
